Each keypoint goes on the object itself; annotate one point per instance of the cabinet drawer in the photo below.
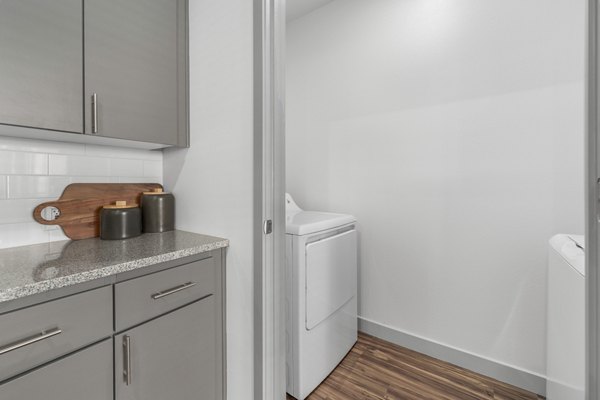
(143, 298)
(32, 336)
(86, 374)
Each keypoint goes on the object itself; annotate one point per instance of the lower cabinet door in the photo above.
(170, 357)
(86, 374)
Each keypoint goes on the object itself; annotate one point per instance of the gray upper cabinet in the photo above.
(41, 64)
(129, 55)
(136, 70)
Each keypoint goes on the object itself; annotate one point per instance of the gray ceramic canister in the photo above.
(158, 211)
(120, 221)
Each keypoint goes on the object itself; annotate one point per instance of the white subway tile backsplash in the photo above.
(118, 152)
(40, 146)
(153, 168)
(18, 211)
(151, 179)
(28, 187)
(56, 234)
(35, 171)
(21, 234)
(91, 179)
(126, 167)
(78, 165)
(3, 192)
(21, 163)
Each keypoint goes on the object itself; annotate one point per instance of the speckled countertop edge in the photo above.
(21, 291)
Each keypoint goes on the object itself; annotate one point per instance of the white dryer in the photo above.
(321, 275)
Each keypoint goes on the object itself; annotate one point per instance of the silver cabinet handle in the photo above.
(176, 289)
(127, 360)
(30, 340)
(94, 113)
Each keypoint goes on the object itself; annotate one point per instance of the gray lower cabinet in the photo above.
(171, 357)
(41, 64)
(135, 70)
(147, 336)
(86, 374)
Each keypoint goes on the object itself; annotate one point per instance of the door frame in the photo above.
(269, 205)
(269, 128)
(592, 207)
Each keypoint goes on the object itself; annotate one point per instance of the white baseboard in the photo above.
(505, 373)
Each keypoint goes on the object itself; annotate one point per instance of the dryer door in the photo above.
(331, 275)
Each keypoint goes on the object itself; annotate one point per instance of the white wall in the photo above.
(453, 130)
(212, 180)
(35, 171)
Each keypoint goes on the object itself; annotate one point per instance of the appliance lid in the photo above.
(290, 204)
(306, 222)
(571, 249)
(579, 240)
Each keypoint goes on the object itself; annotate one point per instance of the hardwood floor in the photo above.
(376, 369)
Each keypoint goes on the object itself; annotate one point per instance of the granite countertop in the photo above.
(29, 270)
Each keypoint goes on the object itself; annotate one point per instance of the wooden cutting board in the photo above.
(80, 204)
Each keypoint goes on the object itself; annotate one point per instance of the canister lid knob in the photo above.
(154, 191)
(120, 204)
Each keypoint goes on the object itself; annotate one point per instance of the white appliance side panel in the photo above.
(291, 326)
(331, 275)
(566, 331)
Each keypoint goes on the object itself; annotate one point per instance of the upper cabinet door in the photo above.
(135, 70)
(41, 64)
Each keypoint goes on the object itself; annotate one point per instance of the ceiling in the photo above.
(297, 8)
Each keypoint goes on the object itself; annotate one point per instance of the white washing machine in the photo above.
(321, 275)
(565, 357)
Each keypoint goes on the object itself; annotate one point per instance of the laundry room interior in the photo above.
(300, 199)
(453, 133)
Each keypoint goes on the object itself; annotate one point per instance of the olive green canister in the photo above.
(158, 211)
(120, 221)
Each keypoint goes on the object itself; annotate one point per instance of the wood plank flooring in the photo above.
(376, 369)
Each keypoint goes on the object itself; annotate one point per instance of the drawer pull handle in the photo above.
(30, 340)
(127, 359)
(176, 289)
